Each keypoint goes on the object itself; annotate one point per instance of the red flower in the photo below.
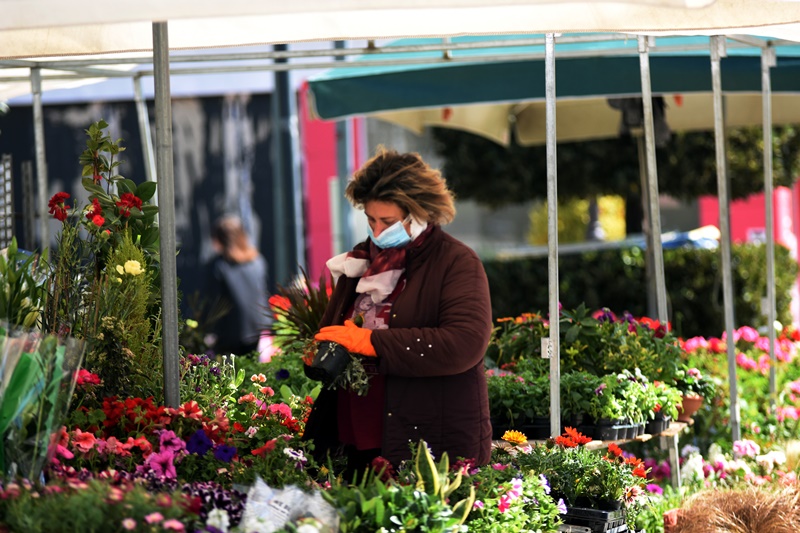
(576, 435)
(126, 202)
(277, 301)
(266, 448)
(98, 220)
(57, 207)
(614, 449)
(94, 209)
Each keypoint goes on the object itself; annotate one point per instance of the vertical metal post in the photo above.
(41, 160)
(28, 205)
(717, 53)
(166, 198)
(767, 61)
(654, 212)
(552, 235)
(287, 190)
(650, 282)
(144, 130)
(344, 167)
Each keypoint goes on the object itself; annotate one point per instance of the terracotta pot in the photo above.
(688, 407)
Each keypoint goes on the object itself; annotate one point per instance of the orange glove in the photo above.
(352, 337)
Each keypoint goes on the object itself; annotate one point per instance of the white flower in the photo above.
(219, 519)
(692, 469)
(251, 431)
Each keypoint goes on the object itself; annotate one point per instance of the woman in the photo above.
(423, 298)
(237, 286)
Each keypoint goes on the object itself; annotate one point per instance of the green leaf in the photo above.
(125, 185)
(146, 190)
(91, 186)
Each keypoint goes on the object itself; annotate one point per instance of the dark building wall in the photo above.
(222, 162)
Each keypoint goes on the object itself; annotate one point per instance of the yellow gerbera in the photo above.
(515, 437)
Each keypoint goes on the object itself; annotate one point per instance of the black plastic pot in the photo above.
(329, 363)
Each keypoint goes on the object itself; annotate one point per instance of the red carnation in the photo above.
(57, 207)
(126, 202)
(94, 209)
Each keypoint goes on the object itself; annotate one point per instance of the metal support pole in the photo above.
(767, 61)
(344, 168)
(287, 190)
(654, 212)
(144, 130)
(41, 160)
(553, 349)
(166, 198)
(717, 53)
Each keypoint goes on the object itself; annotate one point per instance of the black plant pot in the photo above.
(329, 363)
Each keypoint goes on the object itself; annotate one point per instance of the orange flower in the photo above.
(576, 435)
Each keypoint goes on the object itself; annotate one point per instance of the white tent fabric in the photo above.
(34, 28)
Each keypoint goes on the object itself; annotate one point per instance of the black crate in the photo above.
(596, 520)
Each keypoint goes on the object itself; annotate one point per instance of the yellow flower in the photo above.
(120, 269)
(133, 267)
(515, 437)
(118, 280)
(191, 323)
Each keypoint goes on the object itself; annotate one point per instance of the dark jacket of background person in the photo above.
(431, 355)
(237, 291)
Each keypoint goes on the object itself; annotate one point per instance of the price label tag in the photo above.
(547, 348)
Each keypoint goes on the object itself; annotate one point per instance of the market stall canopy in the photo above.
(35, 28)
(489, 84)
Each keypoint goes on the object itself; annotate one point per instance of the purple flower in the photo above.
(655, 489)
(562, 507)
(224, 453)
(545, 484)
(215, 371)
(199, 443)
(282, 374)
(599, 390)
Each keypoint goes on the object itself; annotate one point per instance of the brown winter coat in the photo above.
(431, 355)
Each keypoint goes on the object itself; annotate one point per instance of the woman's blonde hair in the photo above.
(406, 180)
(229, 233)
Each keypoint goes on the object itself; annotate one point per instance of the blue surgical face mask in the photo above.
(395, 236)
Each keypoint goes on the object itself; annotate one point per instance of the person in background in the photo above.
(237, 289)
(423, 299)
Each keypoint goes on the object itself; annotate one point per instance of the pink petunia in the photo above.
(162, 463)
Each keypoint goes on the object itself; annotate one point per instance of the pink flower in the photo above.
(745, 362)
(162, 464)
(504, 503)
(84, 441)
(154, 518)
(129, 524)
(695, 343)
(173, 524)
(169, 441)
(747, 333)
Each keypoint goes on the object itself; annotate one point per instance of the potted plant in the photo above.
(694, 387)
(606, 408)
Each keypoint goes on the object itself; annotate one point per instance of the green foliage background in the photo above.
(616, 279)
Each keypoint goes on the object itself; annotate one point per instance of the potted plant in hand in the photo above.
(694, 387)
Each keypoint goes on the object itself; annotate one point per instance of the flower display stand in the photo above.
(585, 520)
